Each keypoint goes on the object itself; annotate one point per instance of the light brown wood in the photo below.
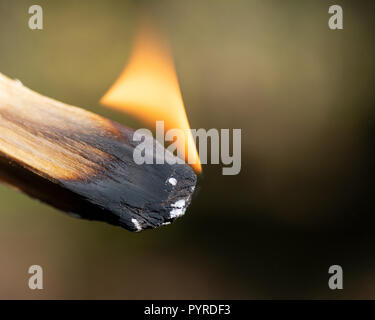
(47, 135)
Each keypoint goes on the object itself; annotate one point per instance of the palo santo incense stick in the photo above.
(82, 163)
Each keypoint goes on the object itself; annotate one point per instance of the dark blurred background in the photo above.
(304, 98)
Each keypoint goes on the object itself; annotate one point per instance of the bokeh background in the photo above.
(304, 98)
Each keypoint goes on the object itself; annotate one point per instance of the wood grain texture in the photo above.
(82, 163)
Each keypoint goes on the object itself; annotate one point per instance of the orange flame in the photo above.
(148, 89)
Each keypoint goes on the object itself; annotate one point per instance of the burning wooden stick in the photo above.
(82, 163)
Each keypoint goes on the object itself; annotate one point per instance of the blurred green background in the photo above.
(304, 98)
